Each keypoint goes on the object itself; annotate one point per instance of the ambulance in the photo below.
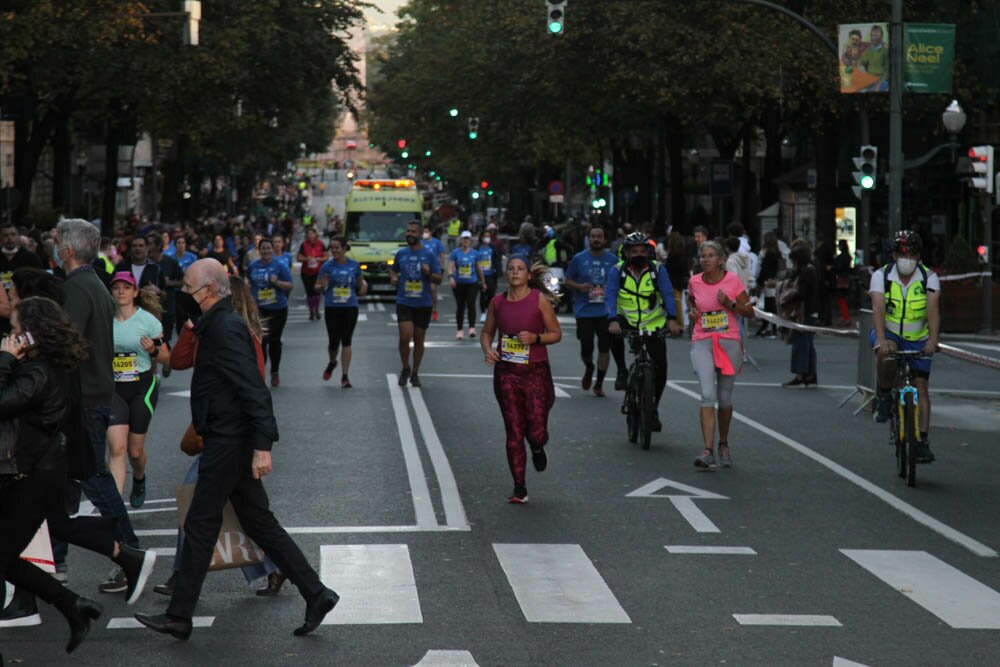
(377, 213)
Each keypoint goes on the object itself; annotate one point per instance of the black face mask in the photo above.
(638, 262)
(188, 308)
(412, 240)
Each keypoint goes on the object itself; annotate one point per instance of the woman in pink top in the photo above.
(524, 322)
(715, 298)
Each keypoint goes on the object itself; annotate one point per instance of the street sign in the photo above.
(684, 503)
(556, 199)
(556, 188)
(720, 183)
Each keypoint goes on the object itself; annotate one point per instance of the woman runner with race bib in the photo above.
(342, 280)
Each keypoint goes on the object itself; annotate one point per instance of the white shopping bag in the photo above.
(39, 550)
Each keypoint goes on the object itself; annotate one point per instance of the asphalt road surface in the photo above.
(809, 551)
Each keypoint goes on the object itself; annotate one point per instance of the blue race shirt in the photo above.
(414, 289)
(268, 295)
(488, 259)
(586, 268)
(434, 245)
(284, 258)
(465, 266)
(341, 291)
(187, 259)
(525, 249)
(170, 251)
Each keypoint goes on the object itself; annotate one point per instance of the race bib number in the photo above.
(486, 264)
(267, 296)
(717, 320)
(312, 262)
(514, 351)
(126, 367)
(465, 270)
(597, 294)
(7, 277)
(414, 289)
(341, 294)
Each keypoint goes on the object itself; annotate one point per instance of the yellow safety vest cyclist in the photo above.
(906, 315)
(640, 297)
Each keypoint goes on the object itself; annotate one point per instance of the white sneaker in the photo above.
(459, 335)
(482, 318)
(472, 332)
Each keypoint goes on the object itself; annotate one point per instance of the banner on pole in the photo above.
(864, 57)
(928, 57)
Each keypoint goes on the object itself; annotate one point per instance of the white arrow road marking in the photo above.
(844, 662)
(447, 659)
(684, 504)
(561, 393)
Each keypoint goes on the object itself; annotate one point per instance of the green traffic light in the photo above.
(489, 192)
(427, 153)
(453, 112)
(473, 135)
(475, 195)
(555, 27)
(867, 182)
(405, 154)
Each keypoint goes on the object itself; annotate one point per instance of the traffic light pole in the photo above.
(986, 323)
(896, 118)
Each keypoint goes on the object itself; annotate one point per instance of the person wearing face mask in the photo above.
(434, 244)
(906, 314)
(271, 282)
(12, 257)
(639, 296)
(806, 300)
(416, 268)
(489, 261)
(587, 277)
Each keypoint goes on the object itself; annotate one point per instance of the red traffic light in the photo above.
(977, 154)
(981, 250)
(401, 143)
(484, 185)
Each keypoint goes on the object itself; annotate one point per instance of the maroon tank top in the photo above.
(513, 317)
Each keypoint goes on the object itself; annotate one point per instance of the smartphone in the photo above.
(27, 340)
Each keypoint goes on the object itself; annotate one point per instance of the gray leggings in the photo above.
(715, 387)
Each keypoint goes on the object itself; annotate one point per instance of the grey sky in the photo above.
(385, 12)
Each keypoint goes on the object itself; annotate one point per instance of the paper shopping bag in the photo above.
(39, 550)
(233, 548)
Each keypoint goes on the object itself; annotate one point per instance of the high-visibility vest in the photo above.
(550, 255)
(307, 220)
(109, 268)
(906, 308)
(639, 300)
(454, 227)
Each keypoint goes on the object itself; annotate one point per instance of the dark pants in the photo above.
(803, 351)
(101, 488)
(24, 504)
(586, 329)
(225, 475)
(273, 322)
(491, 290)
(465, 300)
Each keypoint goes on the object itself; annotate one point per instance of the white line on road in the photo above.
(694, 516)
(152, 510)
(321, 530)
(731, 551)
(557, 583)
(414, 468)
(561, 393)
(375, 583)
(371, 307)
(787, 619)
(447, 659)
(132, 624)
(451, 499)
(909, 510)
(844, 662)
(165, 551)
(951, 595)
(380, 307)
(363, 317)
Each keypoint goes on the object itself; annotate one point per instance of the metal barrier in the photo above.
(865, 381)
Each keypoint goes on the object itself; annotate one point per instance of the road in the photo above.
(810, 551)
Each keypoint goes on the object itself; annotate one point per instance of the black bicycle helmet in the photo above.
(636, 238)
(907, 242)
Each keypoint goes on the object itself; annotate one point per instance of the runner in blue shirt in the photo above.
(415, 269)
(342, 280)
(279, 251)
(270, 282)
(587, 277)
(433, 244)
(465, 276)
(489, 261)
(184, 256)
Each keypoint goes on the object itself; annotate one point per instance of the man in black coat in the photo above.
(231, 409)
(143, 269)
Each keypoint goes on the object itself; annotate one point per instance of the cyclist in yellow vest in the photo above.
(640, 297)
(906, 313)
(454, 227)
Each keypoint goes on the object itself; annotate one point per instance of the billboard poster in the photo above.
(928, 57)
(864, 57)
(847, 222)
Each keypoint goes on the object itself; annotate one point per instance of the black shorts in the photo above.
(586, 327)
(134, 403)
(340, 323)
(421, 317)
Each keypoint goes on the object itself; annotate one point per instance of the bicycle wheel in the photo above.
(647, 407)
(631, 408)
(910, 437)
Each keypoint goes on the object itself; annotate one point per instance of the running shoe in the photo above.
(345, 383)
(482, 318)
(472, 332)
(275, 380)
(519, 497)
(21, 612)
(599, 390)
(588, 377)
(404, 376)
(434, 316)
(924, 453)
(725, 461)
(459, 335)
(116, 582)
(883, 407)
(136, 565)
(328, 373)
(539, 460)
(415, 381)
(706, 460)
(138, 496)
(167, 370)
(620, 380)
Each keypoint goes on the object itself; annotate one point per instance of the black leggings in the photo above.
(465, 299)
(340, 323)
(273, 322)
(586, 329)
(491, 290)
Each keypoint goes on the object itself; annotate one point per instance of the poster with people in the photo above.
(864, 57)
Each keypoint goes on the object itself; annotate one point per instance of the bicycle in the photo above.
(639, 406)
(904, 420)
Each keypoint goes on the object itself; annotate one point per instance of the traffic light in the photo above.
(404, 154)
(867, 170)
(453, 112)
(484, 185)
(984, 254)
(401, 143)
(427, 153)
(982, 167)
(473, 127)
(475, 194)
(555, 16)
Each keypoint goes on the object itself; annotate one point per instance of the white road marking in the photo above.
(909, 510)
(786, 619)
(447, 659)
(395, 317)
(844, 662)
(380, 307)
(557, 583)
(323, 530)
(561, 393)
(152, 510)
(371, 307)
(164, 551)
(422, 506)
(684, 504)
(951, 595)
(451, 499)
(733, 551)
(183, 394)
(132, 624)
(375, 583)
(362, 317)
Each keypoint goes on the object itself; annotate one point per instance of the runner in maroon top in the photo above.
(524, 323)
(312, 254)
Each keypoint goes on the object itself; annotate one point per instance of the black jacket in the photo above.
(229, 400)
(151, 275)
(35, 399)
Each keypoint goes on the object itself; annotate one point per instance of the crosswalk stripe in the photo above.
(375, 583)
(557, 583)
(787, 619)
(737, 551)
(951, 595)
(132, 624)
(447, 659)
